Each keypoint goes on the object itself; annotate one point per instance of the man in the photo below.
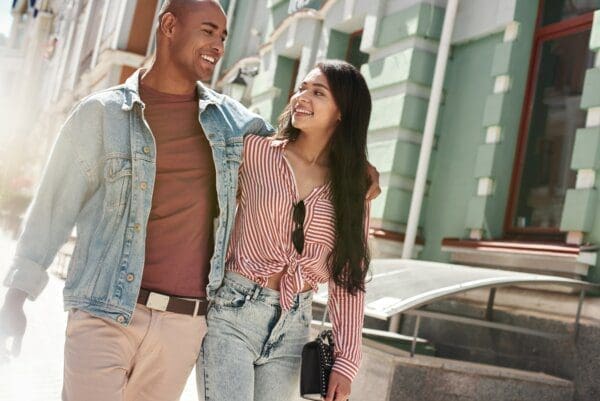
(141, 170)
(139, 173)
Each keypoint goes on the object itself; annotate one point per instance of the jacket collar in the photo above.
(131, 88)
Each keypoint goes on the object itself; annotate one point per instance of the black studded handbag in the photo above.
(317, 361)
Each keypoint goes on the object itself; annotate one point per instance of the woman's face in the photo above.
(313, 106)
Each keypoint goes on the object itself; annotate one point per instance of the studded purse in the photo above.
(317, 361)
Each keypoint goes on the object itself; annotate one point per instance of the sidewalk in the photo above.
(36, 375)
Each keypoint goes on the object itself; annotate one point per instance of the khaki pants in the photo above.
(148, 360)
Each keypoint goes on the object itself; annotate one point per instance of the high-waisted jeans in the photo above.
(252, 347)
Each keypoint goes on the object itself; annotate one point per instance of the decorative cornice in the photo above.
(302, 14)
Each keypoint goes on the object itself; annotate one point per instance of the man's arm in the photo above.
(374, 189)
(266, 129)
(260, 127)
(64, 188)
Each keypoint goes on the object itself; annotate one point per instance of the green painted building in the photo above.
(512, 177)
(513, 174)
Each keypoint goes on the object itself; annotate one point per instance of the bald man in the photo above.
(141, 170)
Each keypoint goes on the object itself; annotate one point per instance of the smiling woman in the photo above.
(301, 221)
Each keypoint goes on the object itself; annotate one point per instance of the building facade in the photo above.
(59, 51)
(512, 179)
(514, 159)
(513, 175)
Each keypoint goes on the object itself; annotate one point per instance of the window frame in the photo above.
(542, 34)
(352, 36)
(294, 78)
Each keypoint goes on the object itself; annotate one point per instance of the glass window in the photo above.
(297, 5)
(559, 10)
(555, 116)
(354, 55)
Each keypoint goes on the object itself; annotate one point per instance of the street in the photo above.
(36, 375)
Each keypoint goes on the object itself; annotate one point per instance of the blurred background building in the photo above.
(513, 176)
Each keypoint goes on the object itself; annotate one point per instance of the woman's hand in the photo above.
(339, 387)
(374, 190)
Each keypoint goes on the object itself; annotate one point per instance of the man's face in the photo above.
(198, 40)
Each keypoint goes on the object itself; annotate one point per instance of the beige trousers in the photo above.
(148, 360)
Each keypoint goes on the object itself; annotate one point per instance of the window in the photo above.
(353, 55)
(297, 5)
(91, 34)
(561, 10)
(346, 46)
(286, 73)
(225, 4)
(142, 26)
(551, 114)
(295, 69)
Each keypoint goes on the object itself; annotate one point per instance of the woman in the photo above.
(302, 220)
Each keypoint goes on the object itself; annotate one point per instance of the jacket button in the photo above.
(130, 277)
(137, 228)
(121, 319)
(144, 185)
(146, 149)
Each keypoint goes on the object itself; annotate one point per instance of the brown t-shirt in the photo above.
(179, 240)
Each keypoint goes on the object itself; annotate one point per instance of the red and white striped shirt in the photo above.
(261, 244)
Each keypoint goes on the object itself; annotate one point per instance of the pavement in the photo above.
(36, 374)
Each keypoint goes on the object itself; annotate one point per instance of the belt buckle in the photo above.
(157, 301)
(196, 306)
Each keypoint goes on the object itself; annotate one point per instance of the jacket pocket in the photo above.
(117, 176)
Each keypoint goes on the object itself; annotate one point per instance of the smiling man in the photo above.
(141, 170)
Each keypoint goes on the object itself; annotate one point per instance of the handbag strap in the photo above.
(325, 334)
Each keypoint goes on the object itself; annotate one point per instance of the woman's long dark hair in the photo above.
(348, 170)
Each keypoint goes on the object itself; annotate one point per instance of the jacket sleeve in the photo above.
(265, 129)
(63, 190)
(259, 126)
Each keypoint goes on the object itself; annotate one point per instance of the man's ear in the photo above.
(167, 24)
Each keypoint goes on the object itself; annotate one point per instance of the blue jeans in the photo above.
(252, 347)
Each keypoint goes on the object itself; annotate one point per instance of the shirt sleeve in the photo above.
(51, 217)
(347, 317)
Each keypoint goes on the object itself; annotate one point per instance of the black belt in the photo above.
(168, 303)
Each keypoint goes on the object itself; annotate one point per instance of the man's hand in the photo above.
(339, 387)
(12, 322)
(374, 190)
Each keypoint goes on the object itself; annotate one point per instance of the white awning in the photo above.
(398, 285)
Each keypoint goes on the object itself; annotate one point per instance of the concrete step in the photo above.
(389, 374)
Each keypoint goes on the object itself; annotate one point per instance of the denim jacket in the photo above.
(100, 179)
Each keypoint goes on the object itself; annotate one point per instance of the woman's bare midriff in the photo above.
(274, 282)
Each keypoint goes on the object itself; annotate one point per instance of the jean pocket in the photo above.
(230, 297)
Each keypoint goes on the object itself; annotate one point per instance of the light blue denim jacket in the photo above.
(100, 178)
